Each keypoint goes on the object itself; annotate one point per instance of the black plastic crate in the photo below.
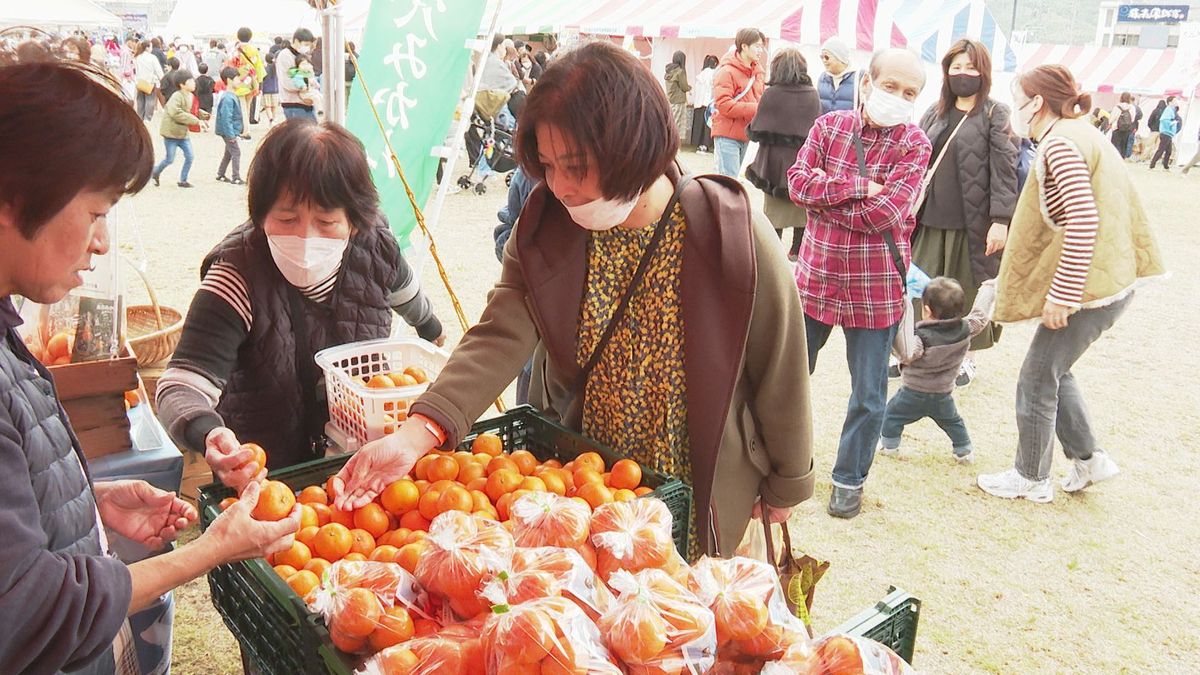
(892, 621)
(524, 428)
(273, 624)
(276, 630)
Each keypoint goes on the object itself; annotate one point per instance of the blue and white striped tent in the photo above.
(933, 25)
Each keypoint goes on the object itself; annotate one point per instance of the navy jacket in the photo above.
(840, 99)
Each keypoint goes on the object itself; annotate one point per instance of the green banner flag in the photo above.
(415, 60)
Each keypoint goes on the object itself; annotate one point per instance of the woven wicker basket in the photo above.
(153, 330)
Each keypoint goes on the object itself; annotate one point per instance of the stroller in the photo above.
(489, 148)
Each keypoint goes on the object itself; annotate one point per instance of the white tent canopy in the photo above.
(56, 13)
(223, 18)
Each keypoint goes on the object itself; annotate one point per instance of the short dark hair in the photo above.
(497, 40)
(229, 73)
(82, 46)
(244, 34)
(52, 151)
(319, 163)
(212, 43)
(608, 102)
(945, 298)
(1126, 97)
(303, 35)
(711, 61)
(203, 68)
(981, 58)
(278, 39)
(746, 37)
(173, 62)
(789, 67)
(142, 48)
(156, 42)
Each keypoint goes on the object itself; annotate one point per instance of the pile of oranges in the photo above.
(549, 537)
(410, 376)
(57, 350)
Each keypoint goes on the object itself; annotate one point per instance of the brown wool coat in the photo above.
(748, 404)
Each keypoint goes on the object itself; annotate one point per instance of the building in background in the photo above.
(140, 15)
(1146, 25)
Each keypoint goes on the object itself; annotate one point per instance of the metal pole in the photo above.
(1012, 26)
(333, 63)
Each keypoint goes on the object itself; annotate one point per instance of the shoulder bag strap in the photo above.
(306, 370)
(634, 282)
(942, 155)
(888, 237)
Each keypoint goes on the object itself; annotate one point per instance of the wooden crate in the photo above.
(93, 394)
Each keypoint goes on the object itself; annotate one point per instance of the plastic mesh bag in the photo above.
(456, 650)
(369, 606)
(839, 655)
(657, 625)
(753, 623)
(546, 519)
(633, 536)
(567, 570)
(465, 552)
(549, 635)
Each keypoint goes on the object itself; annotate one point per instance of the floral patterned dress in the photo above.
(636, 398)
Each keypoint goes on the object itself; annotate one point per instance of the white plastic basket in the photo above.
(363, 414)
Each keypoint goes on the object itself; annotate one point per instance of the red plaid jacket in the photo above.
(845, 273)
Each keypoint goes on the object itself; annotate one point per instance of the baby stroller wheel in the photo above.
(464, 182)
(508, 180)
(480, 188)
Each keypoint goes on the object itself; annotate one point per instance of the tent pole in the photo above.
(333, 64)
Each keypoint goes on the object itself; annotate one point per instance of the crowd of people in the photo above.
(652, 310)
(1125, 123)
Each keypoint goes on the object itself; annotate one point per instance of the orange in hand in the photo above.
(275, 501)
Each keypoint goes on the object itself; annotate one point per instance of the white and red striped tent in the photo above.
(1151, 72)
(866, 25)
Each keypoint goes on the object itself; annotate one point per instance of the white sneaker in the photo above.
(966, 374)
(1085, 472)
(888, 452)
(1012, 485)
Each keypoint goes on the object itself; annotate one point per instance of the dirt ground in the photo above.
(1105, 581)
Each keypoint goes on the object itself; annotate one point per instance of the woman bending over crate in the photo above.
(659, 310)
(315, 266)
(64, 598)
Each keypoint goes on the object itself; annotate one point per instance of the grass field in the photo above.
(1102, 582)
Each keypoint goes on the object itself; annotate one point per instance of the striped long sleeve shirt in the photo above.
(1069, 199)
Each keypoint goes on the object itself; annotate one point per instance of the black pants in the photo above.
(253, 113)
(233, 153)
(797, 237)
(1120, 140)
(1166, 145)
(701, 134)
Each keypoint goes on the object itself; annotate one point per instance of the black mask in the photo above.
(965, 85)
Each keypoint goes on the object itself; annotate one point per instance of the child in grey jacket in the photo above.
(927, 380)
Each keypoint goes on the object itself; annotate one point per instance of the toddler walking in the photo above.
(927, 380)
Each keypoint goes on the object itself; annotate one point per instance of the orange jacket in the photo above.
(732, 117)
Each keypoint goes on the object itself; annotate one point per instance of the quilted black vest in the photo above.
(263, 401)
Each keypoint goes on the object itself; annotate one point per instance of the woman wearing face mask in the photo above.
(1079, 246)
(314, 267)
(285, 60)
(702, 375)
(963, 223)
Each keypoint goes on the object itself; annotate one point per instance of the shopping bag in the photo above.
(797, 575)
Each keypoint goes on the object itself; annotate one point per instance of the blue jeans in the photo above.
(909, 406)
(867, 352)
(1129, 143)
(171, 144)
(292, 113)
(1049, 400)
(730, 154)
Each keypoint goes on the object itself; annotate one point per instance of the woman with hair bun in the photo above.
(1080, 243)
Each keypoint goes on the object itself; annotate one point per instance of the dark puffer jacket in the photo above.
(263, 401)
(61, 601)
(987, 162)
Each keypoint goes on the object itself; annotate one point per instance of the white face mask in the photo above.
(1020, 125)
(888, 110)
(306, 261)
(601, 214)
(303, 47)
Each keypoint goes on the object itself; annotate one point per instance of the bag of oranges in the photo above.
(549, 635)
(752, 619)
(562, 571)
(455, 650)
(369, 606)
(632, 536)
(546, 519)
(839, 655)
(656, 625)
(465, 552)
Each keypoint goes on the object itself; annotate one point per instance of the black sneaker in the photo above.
(185, 184)
(155, 177)
(894, 371)
(966, 373)
(222, 179)
(237, 181)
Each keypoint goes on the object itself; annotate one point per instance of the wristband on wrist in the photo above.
(432, 427)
